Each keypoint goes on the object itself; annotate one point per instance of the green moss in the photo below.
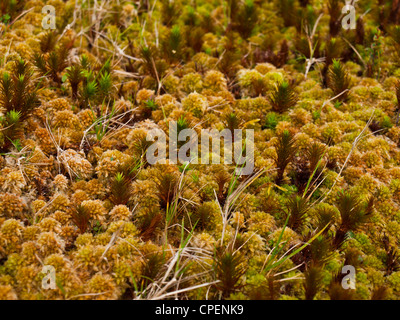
(82, 114)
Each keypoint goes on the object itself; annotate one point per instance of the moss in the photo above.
(195, 103)
(192, 82)
(199, 64)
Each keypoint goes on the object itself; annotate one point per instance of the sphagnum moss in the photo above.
(77, 193)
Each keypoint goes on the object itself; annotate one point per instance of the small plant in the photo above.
(335, 11)
(283, 97)
(320, 250)
(169, 11)
(380, 293)
(148, 107)
(333, 50)
(5, 18)
(54, 62)
(151, 268)
(307, 51)
(397, 88)
(75, 77)
(288, 10)
(314, 155)
(9, 10)
(153, 65)
(337, 292)
(277, 256)
(353, 212)
(325, 217)
(166, 186)
(312, 282)
(151, 104)
(229, 267)
(229, 64)
(375, 52)
(13, 130)
(18, 97)
(298, 208)
(285, 151)
(391, 260)
(97, 228)
(18, 90)
(181, 124)
(121, 188)
(48, 41)
(394, 34)
(96, 87)
(394, 16)
(222, 177)
(308, 171)
(338, 80)
(304, 3)
(278, 59)
(246, 19)
(105, 86)
(149, 223)
(102, 123)
(173, 44)
(360, 31)
(231, 122)
(89, 92)
(194, 34)
(202, 217)
(81, 217)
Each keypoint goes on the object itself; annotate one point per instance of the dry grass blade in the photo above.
(233, 197)
(353, 146)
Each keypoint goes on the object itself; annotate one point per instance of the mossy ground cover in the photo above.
(77, 103)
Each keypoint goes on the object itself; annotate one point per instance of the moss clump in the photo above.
(77, 191)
